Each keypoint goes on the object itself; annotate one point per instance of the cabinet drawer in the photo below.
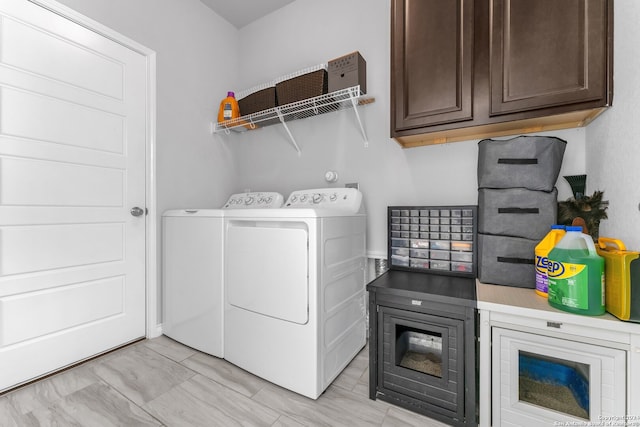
(554, 326)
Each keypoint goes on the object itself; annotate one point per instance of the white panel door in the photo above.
(72, 165)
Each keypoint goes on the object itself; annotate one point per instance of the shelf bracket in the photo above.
(353, 94)
(284, 124)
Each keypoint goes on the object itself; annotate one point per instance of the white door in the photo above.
(72, 165)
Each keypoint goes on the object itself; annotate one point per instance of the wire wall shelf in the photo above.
(342, 99)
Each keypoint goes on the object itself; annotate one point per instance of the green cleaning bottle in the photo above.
(576, 275)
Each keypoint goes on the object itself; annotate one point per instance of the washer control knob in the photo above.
(268, 199)
(303, 198)
(333, 197)
(317, 198)
(249, 200)
(294, 199)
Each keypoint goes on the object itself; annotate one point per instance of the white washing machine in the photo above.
(192, 270)
(295, 288)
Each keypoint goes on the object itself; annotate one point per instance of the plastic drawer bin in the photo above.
(402, 261)
(517, 212)
(418, 263)
(531, 162)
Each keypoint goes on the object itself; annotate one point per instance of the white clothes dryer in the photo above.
(192, 271)
(295, 288)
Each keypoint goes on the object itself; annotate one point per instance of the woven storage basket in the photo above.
(258, 101)
(301, 87)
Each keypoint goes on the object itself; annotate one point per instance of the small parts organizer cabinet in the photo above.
(543, 367)
(439, 239)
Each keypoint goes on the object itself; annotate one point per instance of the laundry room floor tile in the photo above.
(170, 348)
(203, 402)
(95, 405)
(141, 374)
(225, 373)
(48, 391)
(353, 409)
(161, 382)
(398, 417)
(11, 417)
(285, 421)
(335, 407)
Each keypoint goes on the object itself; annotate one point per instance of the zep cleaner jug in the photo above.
(576, 274)
(542, 257)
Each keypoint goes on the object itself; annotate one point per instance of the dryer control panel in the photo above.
(261, 200)
(344, 199)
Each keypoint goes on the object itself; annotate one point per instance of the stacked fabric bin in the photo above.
(517, 204)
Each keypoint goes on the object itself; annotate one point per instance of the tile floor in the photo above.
(160, 382)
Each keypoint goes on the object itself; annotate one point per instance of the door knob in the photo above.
(136, 211)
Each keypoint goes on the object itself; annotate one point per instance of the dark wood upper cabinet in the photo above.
(433, 55)
(467, 69)
(546, 53)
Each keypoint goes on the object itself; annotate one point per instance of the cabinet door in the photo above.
(547, 53)
(431, 62)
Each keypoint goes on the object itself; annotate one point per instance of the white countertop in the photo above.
(525, 302)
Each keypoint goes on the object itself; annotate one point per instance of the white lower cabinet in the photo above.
(543, 367)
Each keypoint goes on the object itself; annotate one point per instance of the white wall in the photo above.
(200, 57)
(613, 140)
(309, 32)
(197, 56)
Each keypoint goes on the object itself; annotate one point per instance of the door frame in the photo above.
(153, 326)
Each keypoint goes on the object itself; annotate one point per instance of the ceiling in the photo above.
(242, 12)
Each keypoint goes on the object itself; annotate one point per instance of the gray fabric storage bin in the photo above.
(509, 261)
(517, 212)
(531, 162)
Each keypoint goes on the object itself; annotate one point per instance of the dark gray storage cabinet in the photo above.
(423, 344)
